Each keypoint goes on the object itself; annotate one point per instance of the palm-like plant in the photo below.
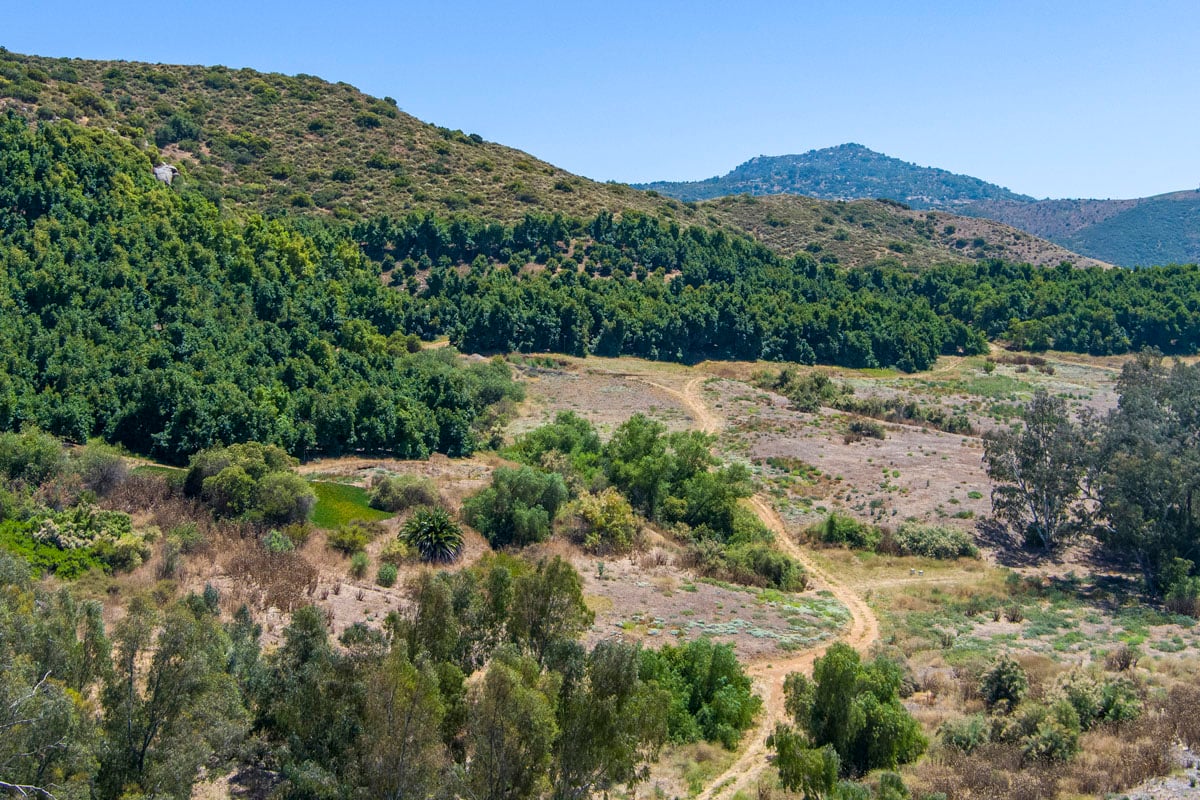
(433, 533)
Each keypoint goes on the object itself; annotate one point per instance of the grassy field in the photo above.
(339, 503)
(152, 469)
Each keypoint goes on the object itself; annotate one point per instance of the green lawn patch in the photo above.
(151, 469)
(338, 504)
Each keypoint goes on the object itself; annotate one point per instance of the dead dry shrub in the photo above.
(937, 683)
(654, 559)
(1183, 712)
(1113, 759)
(139, 493)
(990, 772)
(1041, 671)
(284, 580)
(1121, 659)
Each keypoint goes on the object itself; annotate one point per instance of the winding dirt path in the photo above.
(768, 675)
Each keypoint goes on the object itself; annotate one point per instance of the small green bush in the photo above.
(602, 523)
(399, 492)
(965, 733)
(843, 530)
(518, 507)
(1182, 595)
(352, 537)
(277, 542)
(1099, 701)
(188, 535)
(865, 428)
(1055, 733)
(1004, 685)
(284, 497)
(395, 552)
(358, 564)
(31, 457)
(768, 566)
(934, 541)
(386, 576)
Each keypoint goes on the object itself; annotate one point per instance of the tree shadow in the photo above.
(1009, 550)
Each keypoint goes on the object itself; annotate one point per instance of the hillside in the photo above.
(845, 172)
(294, 143)
(282, 144)
(861, 232)
(1163, 229)
(1150, 230)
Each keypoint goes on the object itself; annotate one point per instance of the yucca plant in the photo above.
(433, 533)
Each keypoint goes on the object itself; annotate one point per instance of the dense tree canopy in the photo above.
(141, 314)
(638, 285)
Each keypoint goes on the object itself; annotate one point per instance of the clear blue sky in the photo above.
(1059, 99)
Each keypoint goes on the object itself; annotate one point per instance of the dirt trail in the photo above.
(706, 421)
(769, 676)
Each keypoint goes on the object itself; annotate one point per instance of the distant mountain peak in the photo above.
(849, 171)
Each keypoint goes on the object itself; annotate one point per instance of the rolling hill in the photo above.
(298, 145)
(845, 172)
(1163, 229)
(861, 232)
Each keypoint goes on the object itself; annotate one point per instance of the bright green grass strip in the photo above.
(338, 503)
(150, 469)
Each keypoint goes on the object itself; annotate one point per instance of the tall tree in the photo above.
(402, 752)
(511, 731)
(853, 708)
(1146, 473)
(548, 607)
(611, 724)
(1037, 471)
(170, 705)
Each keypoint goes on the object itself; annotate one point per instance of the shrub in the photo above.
(399, 492)
(840, 529)
(518, 507)
(865, 428)
(710, 695)
(1119, 702)
(762, 564)
(1122, 658)
(352, 537)
(176, 128)
(230, 492)
(1182, 595)
(965, 733)
(602, 522)
(358, 564)
(856, 708)
(188, 535)
(433, 533)
(1097, 701)
(802, 768)
(934, 541)
(277, 542)
(252, 480)
(395, 552)
(285, 497)
(31, 457)
(386, 576)
(1003, 686)
(1183, 708)
(256, 460)
(100, 467)
(1056, 735)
